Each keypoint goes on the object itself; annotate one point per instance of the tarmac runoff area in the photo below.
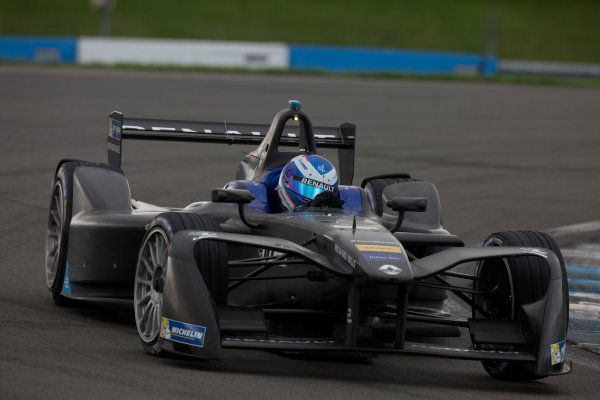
(503, 157)
(582, 260)
(583, 271)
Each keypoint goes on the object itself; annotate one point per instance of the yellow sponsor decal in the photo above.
(557, 352)
(379, 248)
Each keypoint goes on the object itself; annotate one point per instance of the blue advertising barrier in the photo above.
(301, 57)
(38, 49)
(370, 60)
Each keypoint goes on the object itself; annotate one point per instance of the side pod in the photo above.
(188, 321)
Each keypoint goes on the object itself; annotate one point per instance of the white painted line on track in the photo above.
(576, 228)
(586, 311)
(583, 297)
(583, 273)
(581, 254)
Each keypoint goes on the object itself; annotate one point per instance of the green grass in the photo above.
(555, 30)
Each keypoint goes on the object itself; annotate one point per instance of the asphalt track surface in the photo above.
(503, 158)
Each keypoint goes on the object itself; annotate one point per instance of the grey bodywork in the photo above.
(107, 229)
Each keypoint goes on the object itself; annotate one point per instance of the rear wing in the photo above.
(119, 128)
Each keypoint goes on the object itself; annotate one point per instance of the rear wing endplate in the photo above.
(119, 128)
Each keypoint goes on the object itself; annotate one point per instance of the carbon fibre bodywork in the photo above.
(315, 279)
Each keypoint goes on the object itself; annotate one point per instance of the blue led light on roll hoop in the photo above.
(295, 105)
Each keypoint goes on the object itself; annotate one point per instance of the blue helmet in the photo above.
(303, 178)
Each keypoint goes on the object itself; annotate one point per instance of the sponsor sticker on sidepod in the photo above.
(183, 333)
(378, 248)
(384, 257)
(557, 352)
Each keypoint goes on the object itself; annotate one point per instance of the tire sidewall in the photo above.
(64, 183)
(375, 188)
(64, 177)
(168, 223)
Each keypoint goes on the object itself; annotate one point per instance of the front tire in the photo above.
(152, 270)
(520, 280)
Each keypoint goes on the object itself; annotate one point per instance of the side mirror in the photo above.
(238, 196)
(402, 204)
(418, 204)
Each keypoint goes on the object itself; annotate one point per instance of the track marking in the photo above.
(583, 275)
(584, 227)
(583, 253)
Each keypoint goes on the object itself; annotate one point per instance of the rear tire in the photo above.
(523, 280)
(420, 296)
(374, 189)
(152, 271)
(59, 221)
(56, 241)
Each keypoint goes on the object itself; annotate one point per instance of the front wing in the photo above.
(186, 300)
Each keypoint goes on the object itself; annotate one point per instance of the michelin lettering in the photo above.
(202, 235)
(539, 252)
(181, 332)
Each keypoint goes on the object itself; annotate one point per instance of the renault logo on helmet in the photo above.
(390, 269)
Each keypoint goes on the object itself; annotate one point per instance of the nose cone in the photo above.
(377, 256)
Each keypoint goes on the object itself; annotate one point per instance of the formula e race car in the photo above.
(363, 278)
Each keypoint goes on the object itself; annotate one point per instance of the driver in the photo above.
(308, 181)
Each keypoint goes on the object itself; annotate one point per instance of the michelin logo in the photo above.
(539, 252)
(183, 333)
(201, 235)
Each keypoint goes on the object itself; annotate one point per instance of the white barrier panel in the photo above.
(183, 53)
(517, 67)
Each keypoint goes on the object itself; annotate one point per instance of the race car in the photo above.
(364, 275)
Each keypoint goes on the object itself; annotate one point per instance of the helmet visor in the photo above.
(307, 188)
